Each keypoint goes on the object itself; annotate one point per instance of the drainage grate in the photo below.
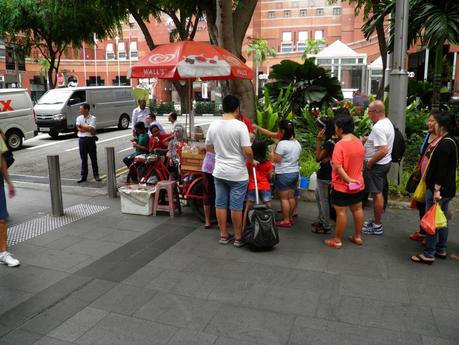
(38, 226)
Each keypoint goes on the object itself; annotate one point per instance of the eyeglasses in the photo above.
(372, 110)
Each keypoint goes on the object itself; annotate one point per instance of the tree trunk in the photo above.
(383, 51)
(243, 89)
(51, 79)
(437, 77)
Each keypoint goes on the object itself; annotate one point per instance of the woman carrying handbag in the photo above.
(440, 179)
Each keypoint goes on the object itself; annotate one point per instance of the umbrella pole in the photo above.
(190, 106)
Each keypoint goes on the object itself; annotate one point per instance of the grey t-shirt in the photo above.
(290, 151)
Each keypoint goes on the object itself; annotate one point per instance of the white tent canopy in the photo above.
(338, 49)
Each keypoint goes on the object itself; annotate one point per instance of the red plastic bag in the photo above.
(428, 221)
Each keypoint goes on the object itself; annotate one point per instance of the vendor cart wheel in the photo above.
(197, 205)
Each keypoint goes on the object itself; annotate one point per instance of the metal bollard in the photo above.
(55, 186)
(111, 173)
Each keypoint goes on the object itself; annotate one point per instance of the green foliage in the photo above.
(398, 190)
(161, 108)
(308, 163)
(205, 107)
(362, 125)
(274, 109)
(260, 50)
(313, 46)
(306, 131)
(416, 120)
(312, 85)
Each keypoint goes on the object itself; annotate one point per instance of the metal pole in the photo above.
(95, 62)
(399, 75)
(55, 186)
(84, 64)
(111, 175)
(426, 64)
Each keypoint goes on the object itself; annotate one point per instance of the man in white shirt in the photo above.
(140, 113)
(378, 150)
(86, 125)
(229, 139)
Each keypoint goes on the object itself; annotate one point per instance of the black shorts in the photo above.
(345, 199)
(376, 178)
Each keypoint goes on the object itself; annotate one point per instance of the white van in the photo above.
(16, 116)
(56, 111)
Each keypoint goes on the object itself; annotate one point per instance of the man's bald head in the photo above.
(376, 111)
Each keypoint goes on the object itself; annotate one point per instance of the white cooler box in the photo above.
(137, 199)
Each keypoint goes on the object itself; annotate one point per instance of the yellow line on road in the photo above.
(118, 172)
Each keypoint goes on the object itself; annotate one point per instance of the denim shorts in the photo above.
(3, 210)
(264, 195)
(288, 181)
(230, 194)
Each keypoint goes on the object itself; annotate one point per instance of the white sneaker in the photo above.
(7, 259)
(368, 225)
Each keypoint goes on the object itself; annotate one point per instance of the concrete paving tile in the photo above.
(281, 299)
(429, 294)
(78, 324)
(447, 322)
(173, 260)
(276, 257)
(91, 291)
(233, 341)
(10, 297)
(31, 279)
(124, 299)
(179, 311)
(51, 341)
(94, 248)
(98, 233)
(189, 337)
(394, 290)
(62, 260)
(307, 330)
(20, 337)
(246, 324)
(122, 330)
(305, 280)
(144, 276)
(46, 238)
(426, 340)
(312, 261)
(121, 236)
(63, 242)
(51, 318)
(184, 283)
(380, 314)
(230, 291)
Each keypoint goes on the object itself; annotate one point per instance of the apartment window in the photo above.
(301, 42)
(318, 34)
(133, 53)
(303, 13)
(287, 13)
(109, 53)
(271, 14)
(121, 51)
(337, 11)
(294, 4)
(320, 12)
(286, 45)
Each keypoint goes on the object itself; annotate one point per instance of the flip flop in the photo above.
(333, 244)
(454, 256)
(321, 230)
(417, 236)
(357, 241)
(281, 224)
(420, 259)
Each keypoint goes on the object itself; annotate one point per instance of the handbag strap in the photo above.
(428, 162)
(454, 143)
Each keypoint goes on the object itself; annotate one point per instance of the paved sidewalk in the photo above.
(116, 279)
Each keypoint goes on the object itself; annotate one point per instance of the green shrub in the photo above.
(308, 163)
(205, 107)
(161, 108)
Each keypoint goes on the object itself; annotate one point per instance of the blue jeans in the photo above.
(230, 194)
(431, 240)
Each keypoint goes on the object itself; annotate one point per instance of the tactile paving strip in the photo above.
(38, 226)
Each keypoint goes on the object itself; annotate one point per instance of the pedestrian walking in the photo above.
(5, 257)
(229, 139)
(378, 149)
(440, 180)
(347, 181)
(86, 125)
(140, 113)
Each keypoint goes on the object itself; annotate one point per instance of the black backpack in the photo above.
(398, 148)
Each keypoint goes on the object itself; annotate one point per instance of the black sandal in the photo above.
(442, 256)
(419, 259)
(321, 230)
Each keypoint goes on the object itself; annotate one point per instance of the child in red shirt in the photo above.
(264, 172)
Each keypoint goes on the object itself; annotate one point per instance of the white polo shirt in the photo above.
(90, 120)
(139, 115)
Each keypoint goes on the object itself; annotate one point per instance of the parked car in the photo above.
(16, 116)
(57, 110)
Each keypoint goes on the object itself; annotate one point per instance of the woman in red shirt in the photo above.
(347, 181)
(158, 141)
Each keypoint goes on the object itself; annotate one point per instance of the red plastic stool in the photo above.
(173, 201)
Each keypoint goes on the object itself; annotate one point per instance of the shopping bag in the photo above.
(428, 221)
(440, 218)
(420, 192)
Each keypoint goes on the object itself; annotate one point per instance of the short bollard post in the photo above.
(55, 186)
(111, 173)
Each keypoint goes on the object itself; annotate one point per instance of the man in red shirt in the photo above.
(158, 141)
(247, 122)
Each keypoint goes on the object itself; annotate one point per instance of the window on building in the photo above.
(286, 44)
(301, 42)
(121, 51)
(318, 34)
(287, 13)
(110, 54)
(133, 53)
(303, 13)
(337, 11)
(294, 4)
(320, 12)
(271, 14)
